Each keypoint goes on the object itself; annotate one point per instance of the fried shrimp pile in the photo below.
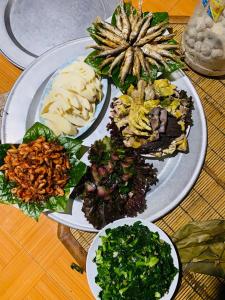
(38, 169)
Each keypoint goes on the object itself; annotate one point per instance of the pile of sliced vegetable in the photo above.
(71, 101)
(133, 264)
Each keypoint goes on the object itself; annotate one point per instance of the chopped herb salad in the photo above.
(133, 263)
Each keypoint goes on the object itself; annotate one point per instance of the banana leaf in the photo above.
(201, 247)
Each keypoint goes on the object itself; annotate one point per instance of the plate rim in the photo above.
(153, 227)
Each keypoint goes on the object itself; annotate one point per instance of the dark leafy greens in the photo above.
(133, 264)
(115, 184)
(74, 150)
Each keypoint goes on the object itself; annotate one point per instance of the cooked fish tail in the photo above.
(148, 67)
(145, 26)
(105, 41)
(152, 61)
(157, 56)
(116, 62)
(147, 49)
(119, 23)
(131, 16)
(136, 18)
(110, 36)
(128, 60)
(126, 28)
(112, 51)
(98, 47)
(156, 27)
(106, 62)
(167, 54)
(149, 37)
(136, 29)
(141, 58)
(140, 4)
(168, 46)
(111, 28)
(163, 38)
(136, 66)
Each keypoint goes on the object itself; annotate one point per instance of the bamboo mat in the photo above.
(207, 198)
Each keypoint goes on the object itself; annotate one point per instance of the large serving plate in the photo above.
(92, 268)
(176, 174)
(29, 28)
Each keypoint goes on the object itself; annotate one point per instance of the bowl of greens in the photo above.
(132, 259)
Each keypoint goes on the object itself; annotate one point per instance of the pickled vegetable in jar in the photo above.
(204, 38)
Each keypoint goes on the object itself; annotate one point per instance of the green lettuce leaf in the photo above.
(3, 151)
(130, 79)
(32, 210)
(95, 62)
(174, 66)
(92, 30)
(152, 76)
(127, 7)
(38, 130)
(74, 147)
(159, 17)
(6, 196)
(74, 150)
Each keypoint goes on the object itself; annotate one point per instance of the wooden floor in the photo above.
(33, 263)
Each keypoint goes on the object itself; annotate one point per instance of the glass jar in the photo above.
(203, 40)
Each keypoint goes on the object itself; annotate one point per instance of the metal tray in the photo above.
(29, 28)
(176, 174)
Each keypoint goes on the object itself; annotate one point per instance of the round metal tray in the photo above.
(29, 28)
(176, 174)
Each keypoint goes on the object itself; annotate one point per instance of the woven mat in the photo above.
(207, 198)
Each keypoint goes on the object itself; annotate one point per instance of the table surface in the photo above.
(33, 263)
